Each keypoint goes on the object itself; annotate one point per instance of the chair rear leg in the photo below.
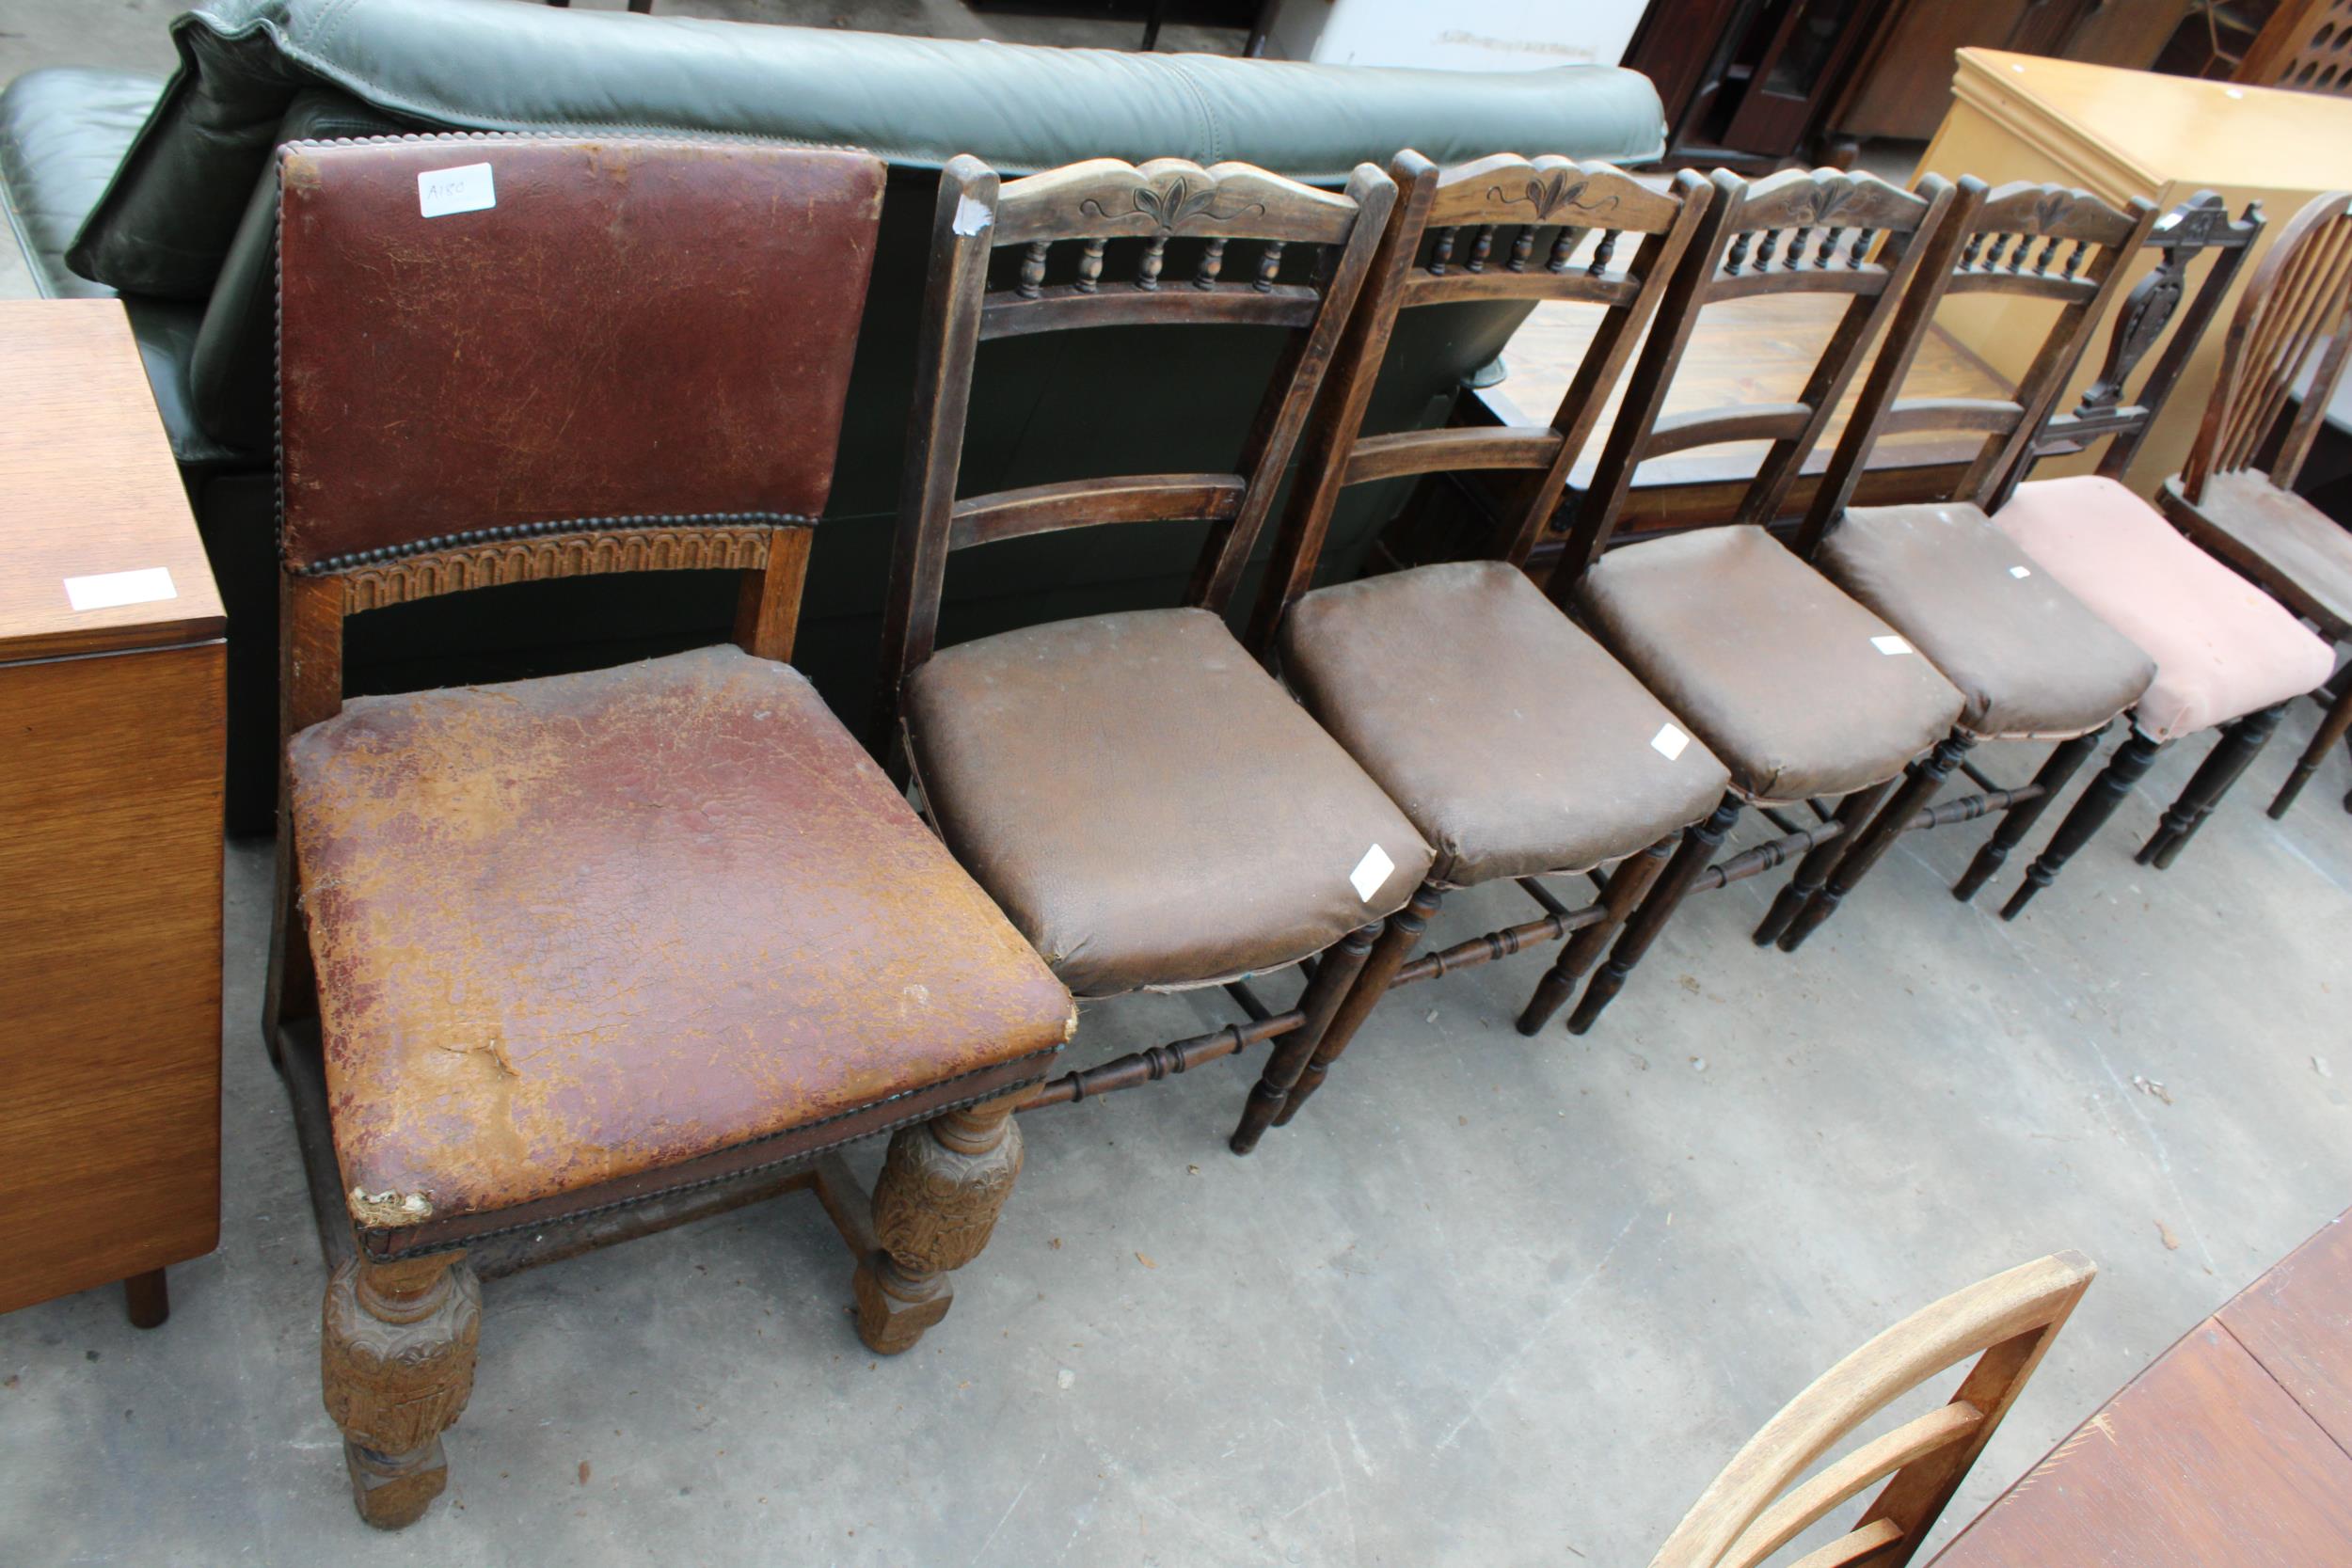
(2057, 772)
(1335, 976)
(2236, 750)
(1389, 952)
(2336, 726)
(1634, 876)
(1853, 812)
(2124, 769)
(1696, 854)
(1918, 793)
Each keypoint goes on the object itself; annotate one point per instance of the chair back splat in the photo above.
(1248, 248)
(2294, 323)
(1501, 228)
(2023, 241)
(426, 460)
(1757, 1506)
(1796, 233)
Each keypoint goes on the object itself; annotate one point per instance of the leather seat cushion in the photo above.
(1771, 666)
(2223, 648)
(572, 929)
(2300, 553)
(1150, 807)
(1512, 739)
(2032, 660)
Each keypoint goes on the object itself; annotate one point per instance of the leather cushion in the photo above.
(63, 131)
(575, 928)
(423, 359)
(2032, 660)
(1771, 666)
(1150, 807)
(2223, 648)
(1512, 739)
(2299, 552)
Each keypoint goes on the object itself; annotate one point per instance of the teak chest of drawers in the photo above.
(110, 790)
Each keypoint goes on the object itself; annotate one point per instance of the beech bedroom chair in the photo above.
(2235, 497)
(2033, 661)
(1764, 1498)
(1517, 747)
(1149, 806)
(563, 960)
(1801, 691)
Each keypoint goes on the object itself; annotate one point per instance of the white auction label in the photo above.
(1890, 645)
(443, 191)
(1669, 742)
(112, 590)
(1371, 872)
(972, 216)
(2021, 571)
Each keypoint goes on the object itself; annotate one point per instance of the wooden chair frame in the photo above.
(1501, 227)
(1844, 234)
(1987, 245)
(1091, 204)
(2296, 318)
(1758, 1505)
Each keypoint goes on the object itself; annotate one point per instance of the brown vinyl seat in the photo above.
(2033, 661)
(1512, 739)
(575, 930)
(2300, 553)
(1146, 803)
(1799, 689)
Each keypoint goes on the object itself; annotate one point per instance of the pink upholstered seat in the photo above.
(2223, 648)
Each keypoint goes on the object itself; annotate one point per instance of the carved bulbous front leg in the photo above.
(942, 1186)
(396, 1354)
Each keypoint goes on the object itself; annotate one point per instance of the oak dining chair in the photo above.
(2235, 496)
(2034, 663)
(1765, 1499)
(1148, 805)
(564, 960)
(1801, 691)
(1517, 747)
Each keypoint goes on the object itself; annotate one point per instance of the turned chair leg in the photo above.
(2057, 772)
(1926, 776)
(2336, 726)
(1853, 813)
(2124, 769)
(396, 1355)
(2232, 754)
(1696, 854)
(942, 1186)
(1389, 952)
(1335, 976)
(147, 1298)
(1634, 876)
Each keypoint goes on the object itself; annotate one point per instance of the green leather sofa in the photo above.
(159, 191)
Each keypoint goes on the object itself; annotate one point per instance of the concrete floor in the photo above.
(1492, 1301)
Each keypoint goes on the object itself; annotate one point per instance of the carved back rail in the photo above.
(1757, 1504)
(1501, 228)
(2288, 339)
(2025, 241)
(1796, 233)
(2106, 409)
(1093, 245)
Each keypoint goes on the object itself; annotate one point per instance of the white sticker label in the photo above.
(972, 216)
(1371, 872)
(443, 191)
(1669, 742)
(1890, 645)
(109, 590)
(2021, 571)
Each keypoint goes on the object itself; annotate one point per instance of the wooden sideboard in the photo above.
(110, 785)
(2118, 134)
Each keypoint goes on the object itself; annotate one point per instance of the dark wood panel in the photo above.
(110, 870)
(2296, 1321)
